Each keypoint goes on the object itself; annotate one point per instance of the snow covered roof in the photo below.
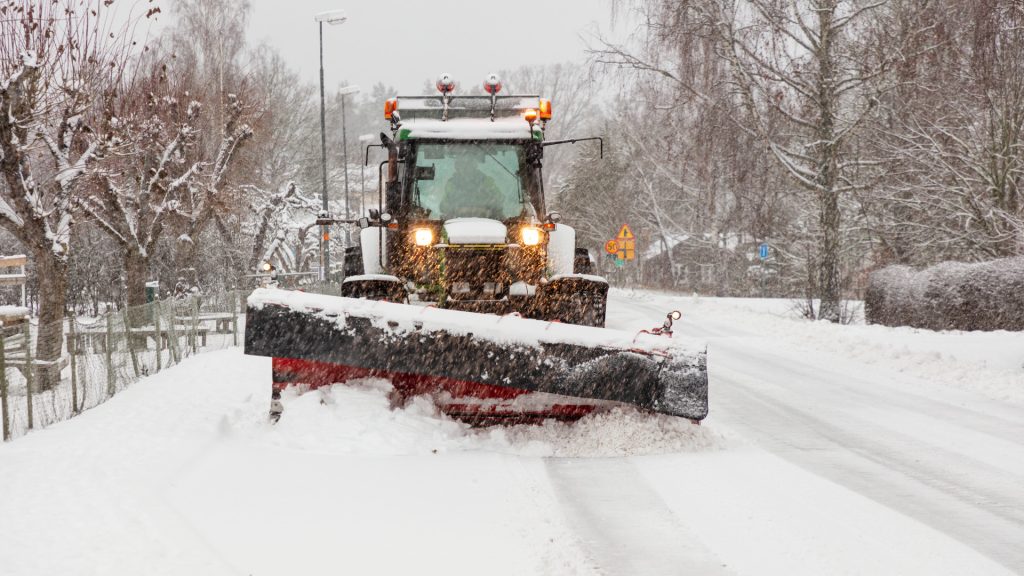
(468, 106)
(469, 129)
(658, 247)
(726, 240)
(469, 117)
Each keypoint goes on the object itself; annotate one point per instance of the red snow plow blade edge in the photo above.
(475, 358)
(471, 402)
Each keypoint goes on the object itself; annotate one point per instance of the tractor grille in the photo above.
(485, 272)
(476, 267)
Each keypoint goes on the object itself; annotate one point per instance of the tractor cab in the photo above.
(463, 221)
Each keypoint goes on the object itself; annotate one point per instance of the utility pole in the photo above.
(344, 154)
(332, 17)
(325, 235)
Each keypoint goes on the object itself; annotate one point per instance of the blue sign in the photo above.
(763, 251)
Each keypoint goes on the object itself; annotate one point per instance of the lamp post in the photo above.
(332, 17)
(344, 150)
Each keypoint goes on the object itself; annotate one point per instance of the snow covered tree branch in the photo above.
(56, 58)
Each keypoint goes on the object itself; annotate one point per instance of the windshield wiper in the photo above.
(493, 157)
(519, 184)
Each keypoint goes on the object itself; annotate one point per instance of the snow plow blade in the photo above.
(391, 340)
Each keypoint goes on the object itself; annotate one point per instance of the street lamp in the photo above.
(332, 17)
(344, 148)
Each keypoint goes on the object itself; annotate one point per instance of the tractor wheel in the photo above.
(583, 308)
(591, 310)
(353, 263)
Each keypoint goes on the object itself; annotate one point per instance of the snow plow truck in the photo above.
(463, 286)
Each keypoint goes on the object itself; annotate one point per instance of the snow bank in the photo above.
(357, 417)
(989, 363)
(951, 295)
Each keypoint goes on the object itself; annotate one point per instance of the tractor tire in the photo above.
(353, 264)
(575, 301)
(590, 310)
(583, 263)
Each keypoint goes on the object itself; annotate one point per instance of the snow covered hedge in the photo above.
(951, 295)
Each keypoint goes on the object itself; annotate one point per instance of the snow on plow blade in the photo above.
(653, 372)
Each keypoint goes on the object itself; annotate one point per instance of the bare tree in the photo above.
(800, 62)
(274, 216)
(210, 197)
(700, 175)
(139, 185)
(954, 134)
(56, 58)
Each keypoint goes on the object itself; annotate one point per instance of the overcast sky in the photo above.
(418, 39)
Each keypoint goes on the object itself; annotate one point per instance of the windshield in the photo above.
(470, 179)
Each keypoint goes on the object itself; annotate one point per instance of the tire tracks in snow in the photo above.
(829, 433)
(622, 523)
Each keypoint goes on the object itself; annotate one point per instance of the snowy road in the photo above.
(829, 450)
(933, 459)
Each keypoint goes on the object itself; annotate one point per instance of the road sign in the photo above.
(611, 246)
(762, 251)
(625, 244)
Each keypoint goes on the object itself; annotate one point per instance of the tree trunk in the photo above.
(136, 266)
(828, 171)
(53, 282)
(828, 259)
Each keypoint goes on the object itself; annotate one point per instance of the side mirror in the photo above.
(363, 222)
(554, 217)
(374, 214)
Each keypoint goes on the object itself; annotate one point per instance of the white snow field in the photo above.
(829, 450)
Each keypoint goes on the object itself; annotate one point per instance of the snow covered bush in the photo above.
(950, 295)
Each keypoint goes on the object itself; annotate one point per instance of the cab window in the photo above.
(470, 179)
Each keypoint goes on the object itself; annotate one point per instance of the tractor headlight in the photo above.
(530, 236)
(423, 236)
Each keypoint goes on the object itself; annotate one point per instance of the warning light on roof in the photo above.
(445, 84)
(530, 115)
(545, 109)
(390, 106)
(492, 85)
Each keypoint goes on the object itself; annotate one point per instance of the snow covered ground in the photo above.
(829, 450)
